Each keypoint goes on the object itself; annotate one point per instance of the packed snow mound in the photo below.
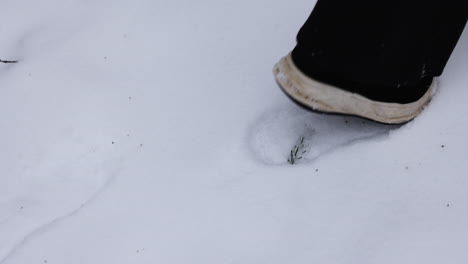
(277, 133)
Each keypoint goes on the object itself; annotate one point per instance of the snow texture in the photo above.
(154, 132)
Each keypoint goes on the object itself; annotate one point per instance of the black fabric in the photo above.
(387, 50)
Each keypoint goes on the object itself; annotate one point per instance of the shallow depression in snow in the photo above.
(277, 132)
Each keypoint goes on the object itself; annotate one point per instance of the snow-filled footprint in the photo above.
(293, 135)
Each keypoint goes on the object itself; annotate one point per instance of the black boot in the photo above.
(374, 59)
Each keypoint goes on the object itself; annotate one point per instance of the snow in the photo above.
(153, 132)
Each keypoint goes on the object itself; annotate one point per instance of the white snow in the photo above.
(153, 132)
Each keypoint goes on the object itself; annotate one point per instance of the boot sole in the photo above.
(326, 98)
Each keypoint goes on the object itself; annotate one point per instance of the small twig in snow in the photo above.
(297, 152)
(7, 61)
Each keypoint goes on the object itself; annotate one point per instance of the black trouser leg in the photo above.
(380, 46)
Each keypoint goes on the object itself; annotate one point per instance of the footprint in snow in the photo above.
(277, 132)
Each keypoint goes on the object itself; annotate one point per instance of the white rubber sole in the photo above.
(327, 98)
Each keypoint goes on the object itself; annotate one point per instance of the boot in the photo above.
(374, 59)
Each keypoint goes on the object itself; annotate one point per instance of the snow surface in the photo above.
(153, 132)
